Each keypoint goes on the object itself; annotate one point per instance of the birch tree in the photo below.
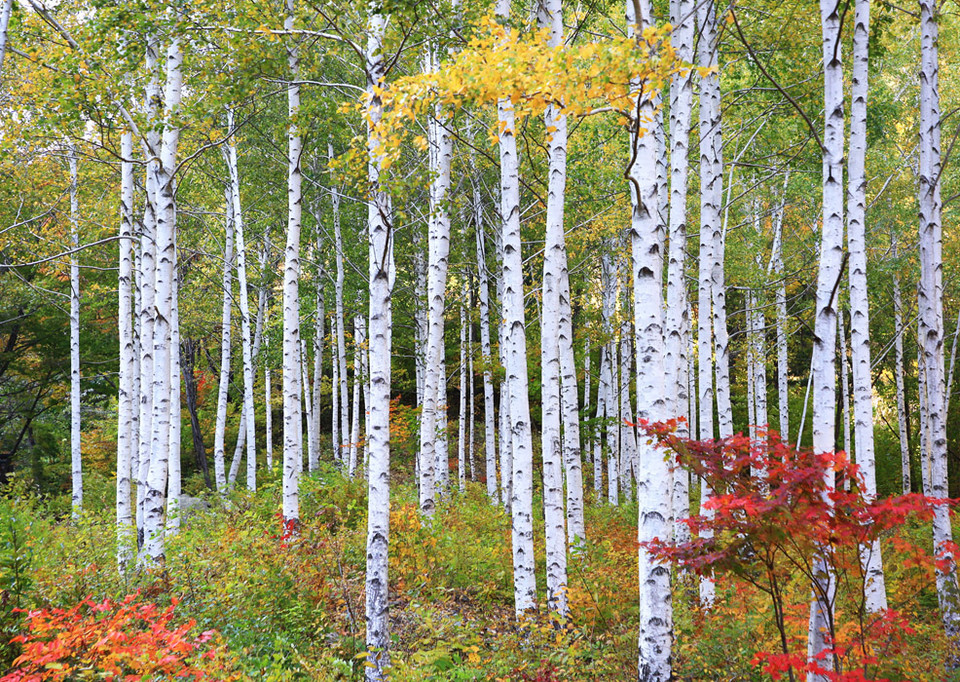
(381, 275)
(521, 503)
(219, 436)
(156, 482)
(76, 467)
(550, 17)
(653, 484)
(292, 437)
(127, 398)
(931, 317)
(823, 362)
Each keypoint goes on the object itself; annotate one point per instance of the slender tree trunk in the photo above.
(127, 399)
(653, 485)
(711, 278)
(219, 435)
(462, 417)
(572, 453)
(875, 597)
(901, 392)
(506, 440)
(486, 357)
(550, 17)
(245, 335)
(292, 435)
(776, 266)
(5, 11)
(931, 318)
(627, 418)
(174, 482)
(75, 459)
(381, 275)
(343, 398)
(318, 333)
(148, 275)
(609, 377)
(155, 497)
(681, 105)
(267, 394)
(471, 423)
(521, 507)
(823, 363)
(603, 387)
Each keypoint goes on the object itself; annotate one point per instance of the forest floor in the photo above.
(292, 608)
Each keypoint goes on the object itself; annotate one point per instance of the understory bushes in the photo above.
(273, 607)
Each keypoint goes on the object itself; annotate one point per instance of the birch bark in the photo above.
(653, 484)
(76, 466)
(875, 598)
(521, 507)
(155, 496)
(292, 436)
(486, 357)
(931, 317)
(128, 397)
(823, 362)
(245, 335)
(381, 274)
(219, 456)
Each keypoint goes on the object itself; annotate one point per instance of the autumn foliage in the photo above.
(131, 639)
(773, 509)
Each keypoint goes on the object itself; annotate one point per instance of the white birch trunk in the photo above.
(267, 396)
(875, 598)
(219, 436)
(931, 318)
(628, 434)
(681, 105)
(550, 18)
(776, 267)
(128, 396)
(711, 315)
(357, 385)
(248, 420)
(823, 362)
(653, 483)
(156, 488)
(174, 482)
(506, 440)
(147, 278)
(603, 387)
(486, 356)
(521, 507)
(905, 471)
(462, 420)
(318, 333)
(471, 422)
(381, 274)
(433, 415)
(335, 397)
(343, 398)
(307, 402)
(572, 454)
(844, 383)
(609, 378)
(292, 435)
(76, 468)
(5, 11)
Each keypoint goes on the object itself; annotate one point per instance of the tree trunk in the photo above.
(521, 507)
(486, 356)
(931, 318)
(174, 482)
(653, 485)
(219, 434)
(245, 335)
(292, 435)
(823, 362)
(128, 397)
(155, 497)
(75, 459)
(711, 278)
(381, 274)
(901, 392)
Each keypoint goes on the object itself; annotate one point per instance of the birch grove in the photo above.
(614, 316)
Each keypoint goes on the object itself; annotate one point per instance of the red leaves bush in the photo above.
(129, 640)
